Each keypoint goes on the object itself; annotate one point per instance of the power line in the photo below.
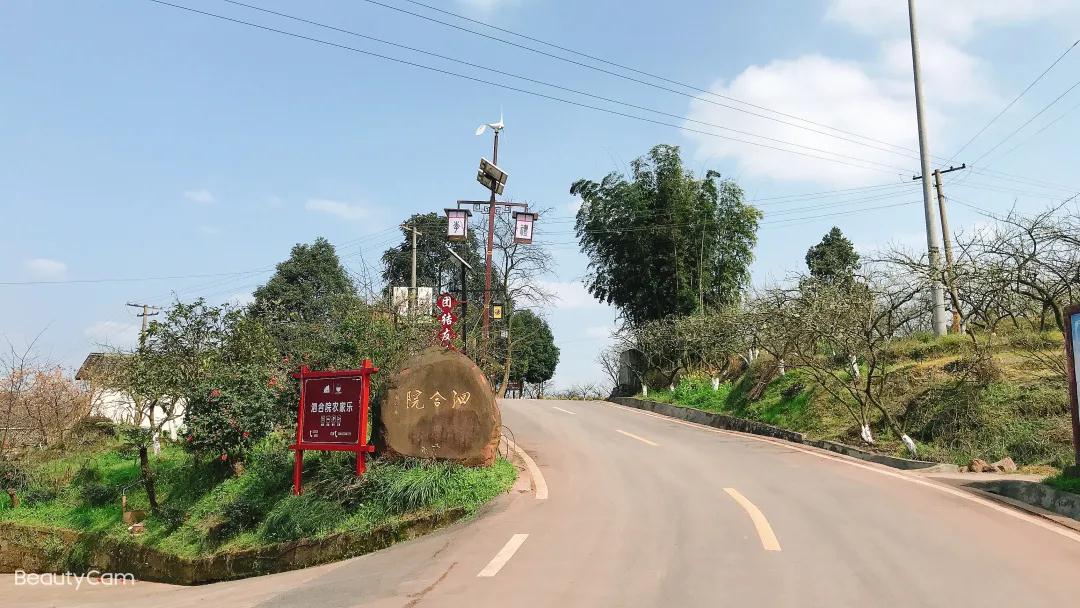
(1011, 103)
(518, 90)
(537, 81)
(577, 63)
(1027, 122)
(618, 65)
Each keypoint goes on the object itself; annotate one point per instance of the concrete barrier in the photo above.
(1035, 493)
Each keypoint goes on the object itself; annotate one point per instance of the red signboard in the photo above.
(332, 410)
(333, 414)
(446, 317)
(447, 302)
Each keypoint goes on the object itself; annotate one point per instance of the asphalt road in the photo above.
(642, 510)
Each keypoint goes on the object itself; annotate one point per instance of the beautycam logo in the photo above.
(94, 578)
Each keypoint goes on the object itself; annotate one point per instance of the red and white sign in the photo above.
(446, 304)
(332, 410)
(333, 414)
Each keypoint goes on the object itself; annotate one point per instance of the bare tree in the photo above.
(856, 323)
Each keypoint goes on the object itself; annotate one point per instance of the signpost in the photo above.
(1072, 346)
(333, 415)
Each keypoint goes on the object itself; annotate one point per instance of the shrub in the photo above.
(97, 494)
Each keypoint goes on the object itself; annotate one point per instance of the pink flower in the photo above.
(214, 394)
(273, 382)
(224, 457)
(190, 438)
(246, 434)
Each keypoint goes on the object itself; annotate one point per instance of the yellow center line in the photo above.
(764, 530)
(633, 436)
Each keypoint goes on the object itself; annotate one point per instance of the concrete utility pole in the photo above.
(936, 292)
(146, 308)
(946, 237)
(412, 283)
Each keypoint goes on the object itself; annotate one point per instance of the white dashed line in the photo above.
(503, 556)
(633, 436)
(555, 407)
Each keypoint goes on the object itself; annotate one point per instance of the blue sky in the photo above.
(138, 140)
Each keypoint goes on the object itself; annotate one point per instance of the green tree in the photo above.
(664, 242)
(833, 259)
(304, 285)
(435, 267)
(535, 355)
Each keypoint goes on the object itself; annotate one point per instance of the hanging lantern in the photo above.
(457, 224)
(523, 226)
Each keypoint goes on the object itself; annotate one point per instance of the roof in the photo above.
(96, 364)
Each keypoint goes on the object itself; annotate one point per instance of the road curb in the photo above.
(742, 425)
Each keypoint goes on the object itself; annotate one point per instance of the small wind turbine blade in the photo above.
(480, 129)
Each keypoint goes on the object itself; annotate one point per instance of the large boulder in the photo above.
(440, 405)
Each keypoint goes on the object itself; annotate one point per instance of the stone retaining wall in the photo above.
(41, 549)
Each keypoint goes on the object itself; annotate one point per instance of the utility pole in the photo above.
(412, 284)
(146, 308)
(946, 237)
(490, 249)
(936, 292)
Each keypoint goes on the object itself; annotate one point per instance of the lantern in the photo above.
(457, 224)
(523, 226)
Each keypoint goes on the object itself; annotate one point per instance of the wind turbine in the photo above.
(495, 126)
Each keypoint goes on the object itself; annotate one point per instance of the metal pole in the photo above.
(936, 292)
(464, 305)
(487, 256)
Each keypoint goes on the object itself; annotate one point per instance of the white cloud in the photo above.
(345, 211)
(202, 197)
(829, 91)
(46, 269)
(113, 333)
(958, 19)
(570, 294)
(873, 97)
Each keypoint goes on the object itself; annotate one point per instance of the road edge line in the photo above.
(539, 483)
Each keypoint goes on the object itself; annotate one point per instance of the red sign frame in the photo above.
(1073, 376)
(358, 446)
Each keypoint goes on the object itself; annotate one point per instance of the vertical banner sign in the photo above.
(333, 415)
(423, 300)
(1072, 348)
(446, 317)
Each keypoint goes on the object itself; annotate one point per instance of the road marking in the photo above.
(503, 556)
(1031, 519)
(555, 407)
(534, 471)
(764, 530)
(641, 439)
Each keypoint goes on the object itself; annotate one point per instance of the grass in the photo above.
(205, 509)
(1066, 484)
(1015, 409)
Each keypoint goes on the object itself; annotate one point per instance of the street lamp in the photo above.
(457, 224)
(523, 226)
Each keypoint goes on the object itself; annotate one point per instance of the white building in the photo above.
(116, 405)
